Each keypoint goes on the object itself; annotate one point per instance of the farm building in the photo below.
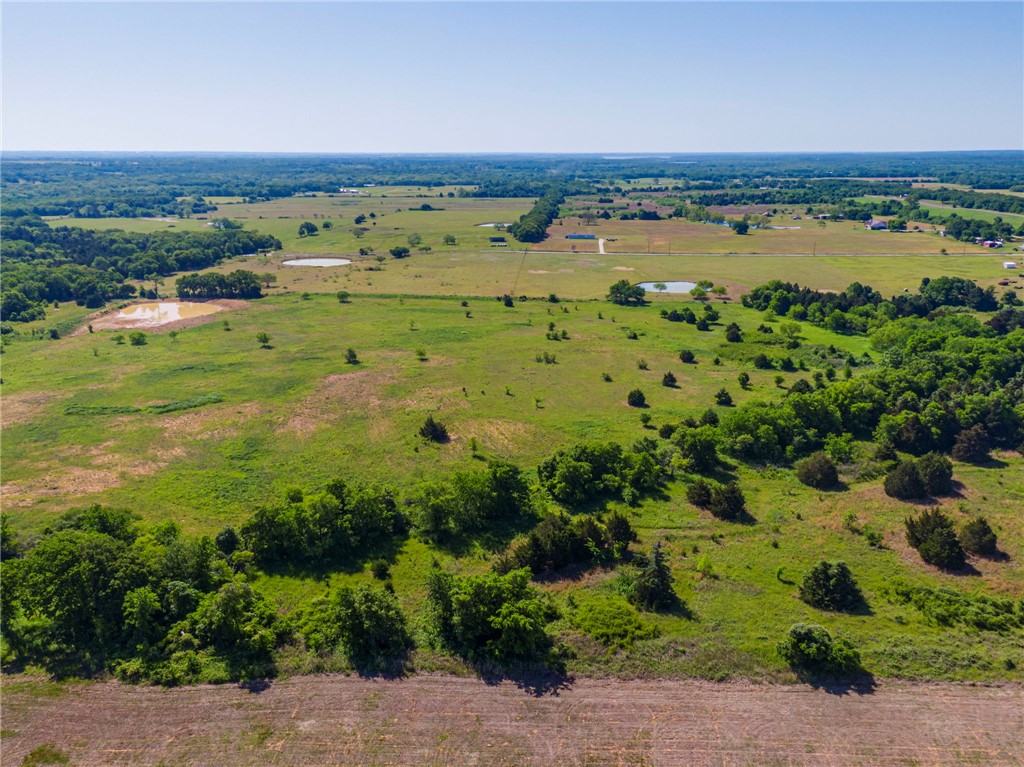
(1009, 264)
(875, 225)
(992, 244)
(581, 236)
(498, 242)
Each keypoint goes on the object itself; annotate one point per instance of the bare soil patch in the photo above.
(337, 395)
(21, 408)
(431, 720)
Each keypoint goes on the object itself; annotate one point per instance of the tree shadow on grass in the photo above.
(350, 563)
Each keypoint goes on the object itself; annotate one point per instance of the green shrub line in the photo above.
(169, 407)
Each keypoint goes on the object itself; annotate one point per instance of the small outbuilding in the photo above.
(1009, 264)
(581, 236)
(875, 225)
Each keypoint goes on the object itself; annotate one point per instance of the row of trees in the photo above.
(237, 284)
(532, 226)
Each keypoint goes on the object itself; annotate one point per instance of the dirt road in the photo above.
(442, 720)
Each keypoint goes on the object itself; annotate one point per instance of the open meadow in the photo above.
(88, 420)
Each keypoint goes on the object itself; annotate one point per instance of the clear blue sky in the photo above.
(517, 77)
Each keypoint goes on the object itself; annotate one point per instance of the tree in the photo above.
(744, 380)
(733, 334)
(687, 356)
(723, 398)
(350, 356)
(263, 338)
(307, 228)
(830, 586)
(434, 430)
(740, 227)
(668, 380)
(978, 537)
(699, 447)
(414, 239)
(904, 482)
(933, 536)
(636, 398)
(449, 239)
(936, 473)
(625, 294)
(699, 493)
(372, 628)
(343, 296)
(399, 252)
(810, 647)
(972, 445)
(652, 587)
(727, 502)
(137, 338)
(227, 541)
(817, 471)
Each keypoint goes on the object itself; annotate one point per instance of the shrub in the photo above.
(668, 380)
(817, 471)
(936, 472)
(723, 398)
(727, 502)
(978, 537)
(810, 647)
(351, 358)
(636, 398)
(612, 622)
(434, 430)
(733, 334)
(933, 536)
(830, 586)
(972, 445)
(687, 356)
(699, 493)
(137, 338)
(371, 625)
(744, 379)
(904, 482)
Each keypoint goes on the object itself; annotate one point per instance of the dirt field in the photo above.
(440, 720)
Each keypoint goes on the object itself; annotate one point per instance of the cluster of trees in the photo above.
(532, 226)
(339, 524)
(935, 537)
(584, 473)
(859, 307)
(40, 264)
(560, 540)
(237, 284)
(96, 592)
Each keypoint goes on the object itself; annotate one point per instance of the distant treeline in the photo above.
(237, 284)
(111, 184)
(42, 264)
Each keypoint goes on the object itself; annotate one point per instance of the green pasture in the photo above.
(297, 415)
(587, 276)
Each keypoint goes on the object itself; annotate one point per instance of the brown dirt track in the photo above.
(443, 720)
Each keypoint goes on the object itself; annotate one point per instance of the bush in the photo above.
(699, 493)
(972, 445)
(937, 473)
(810, 647)
(668, 380)
(612, 622)
(830, 586)
(978, 537)
(723, 398)
(371, 625)
(904, 482)
(433, 430)
(727, 502)
(687, 356)
(733, 334)
(817, 471)
(636, 398)
(933, 536)
(137, 338)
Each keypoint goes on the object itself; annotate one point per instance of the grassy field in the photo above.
(297, 415)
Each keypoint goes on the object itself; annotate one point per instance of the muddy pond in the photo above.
(151, 315)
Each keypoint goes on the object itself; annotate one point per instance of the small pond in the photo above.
(670, 287)
(317, 262)
(153, 314)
